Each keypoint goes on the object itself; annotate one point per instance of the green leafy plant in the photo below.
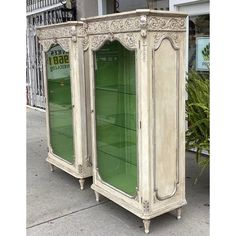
(198, 116)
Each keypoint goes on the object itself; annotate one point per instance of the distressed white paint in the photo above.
(71, 36)
(161, 150)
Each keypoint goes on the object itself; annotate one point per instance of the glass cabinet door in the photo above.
(115, 103)
(59, 103)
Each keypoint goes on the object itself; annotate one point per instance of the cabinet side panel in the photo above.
(166, 128)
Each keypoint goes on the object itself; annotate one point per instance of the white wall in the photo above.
(191, 7)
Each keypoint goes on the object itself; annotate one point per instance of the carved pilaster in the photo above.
(143, 26)
(85, 43)
(73, 33)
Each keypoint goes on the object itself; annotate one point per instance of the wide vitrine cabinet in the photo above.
(66, 82)
(137, 88)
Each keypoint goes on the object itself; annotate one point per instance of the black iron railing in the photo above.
(32, 5)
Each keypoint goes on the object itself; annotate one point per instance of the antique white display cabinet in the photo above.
(137, 75)
(65, 81)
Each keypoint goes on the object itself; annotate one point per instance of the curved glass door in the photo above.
(59, 103)
(115, 98)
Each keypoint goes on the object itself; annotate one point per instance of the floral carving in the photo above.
(82, 30)
(47, 44)
(172, 36)
(128, 40)
(62, 32)
(88, 162)
(85, 43)
(64, 43)
(114, 26)
(97, 41)
(166, 23)
(142, 23)
(146, 206)
(54, 33)
(80, 169)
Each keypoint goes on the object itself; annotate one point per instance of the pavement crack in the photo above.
(67, 214)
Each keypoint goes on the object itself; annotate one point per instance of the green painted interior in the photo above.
(116, 116)
(59, 102)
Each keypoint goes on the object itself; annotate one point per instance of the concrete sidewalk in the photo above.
(56, 206)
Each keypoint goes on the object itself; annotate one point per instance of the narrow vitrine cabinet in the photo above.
(137, 85)
(64, 58)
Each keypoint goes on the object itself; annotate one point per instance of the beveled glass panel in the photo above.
(115, 98)
(59, 103)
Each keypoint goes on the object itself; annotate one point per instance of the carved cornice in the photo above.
(49, 33)
(138, 23)
(172, 36)
(62, 32)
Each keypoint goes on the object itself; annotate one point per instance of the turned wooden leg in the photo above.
(81, 182)
(146, 224)
(51, 167)
(178, 213)
(97, 196)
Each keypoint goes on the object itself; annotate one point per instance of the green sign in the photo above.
(202, 53)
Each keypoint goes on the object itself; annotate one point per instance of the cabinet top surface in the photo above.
(134, 13)
(58, 25)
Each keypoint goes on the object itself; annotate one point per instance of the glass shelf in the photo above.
(115, 102)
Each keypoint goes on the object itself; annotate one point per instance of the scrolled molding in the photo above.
(141, 23)
(47, 44)
(85, 43)
(97, 41)
(114, 26)
(162, 198)
(166, 23)
(128, 40)
(64, 43)
(71, 31)
(171, 36)
(51, 33)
